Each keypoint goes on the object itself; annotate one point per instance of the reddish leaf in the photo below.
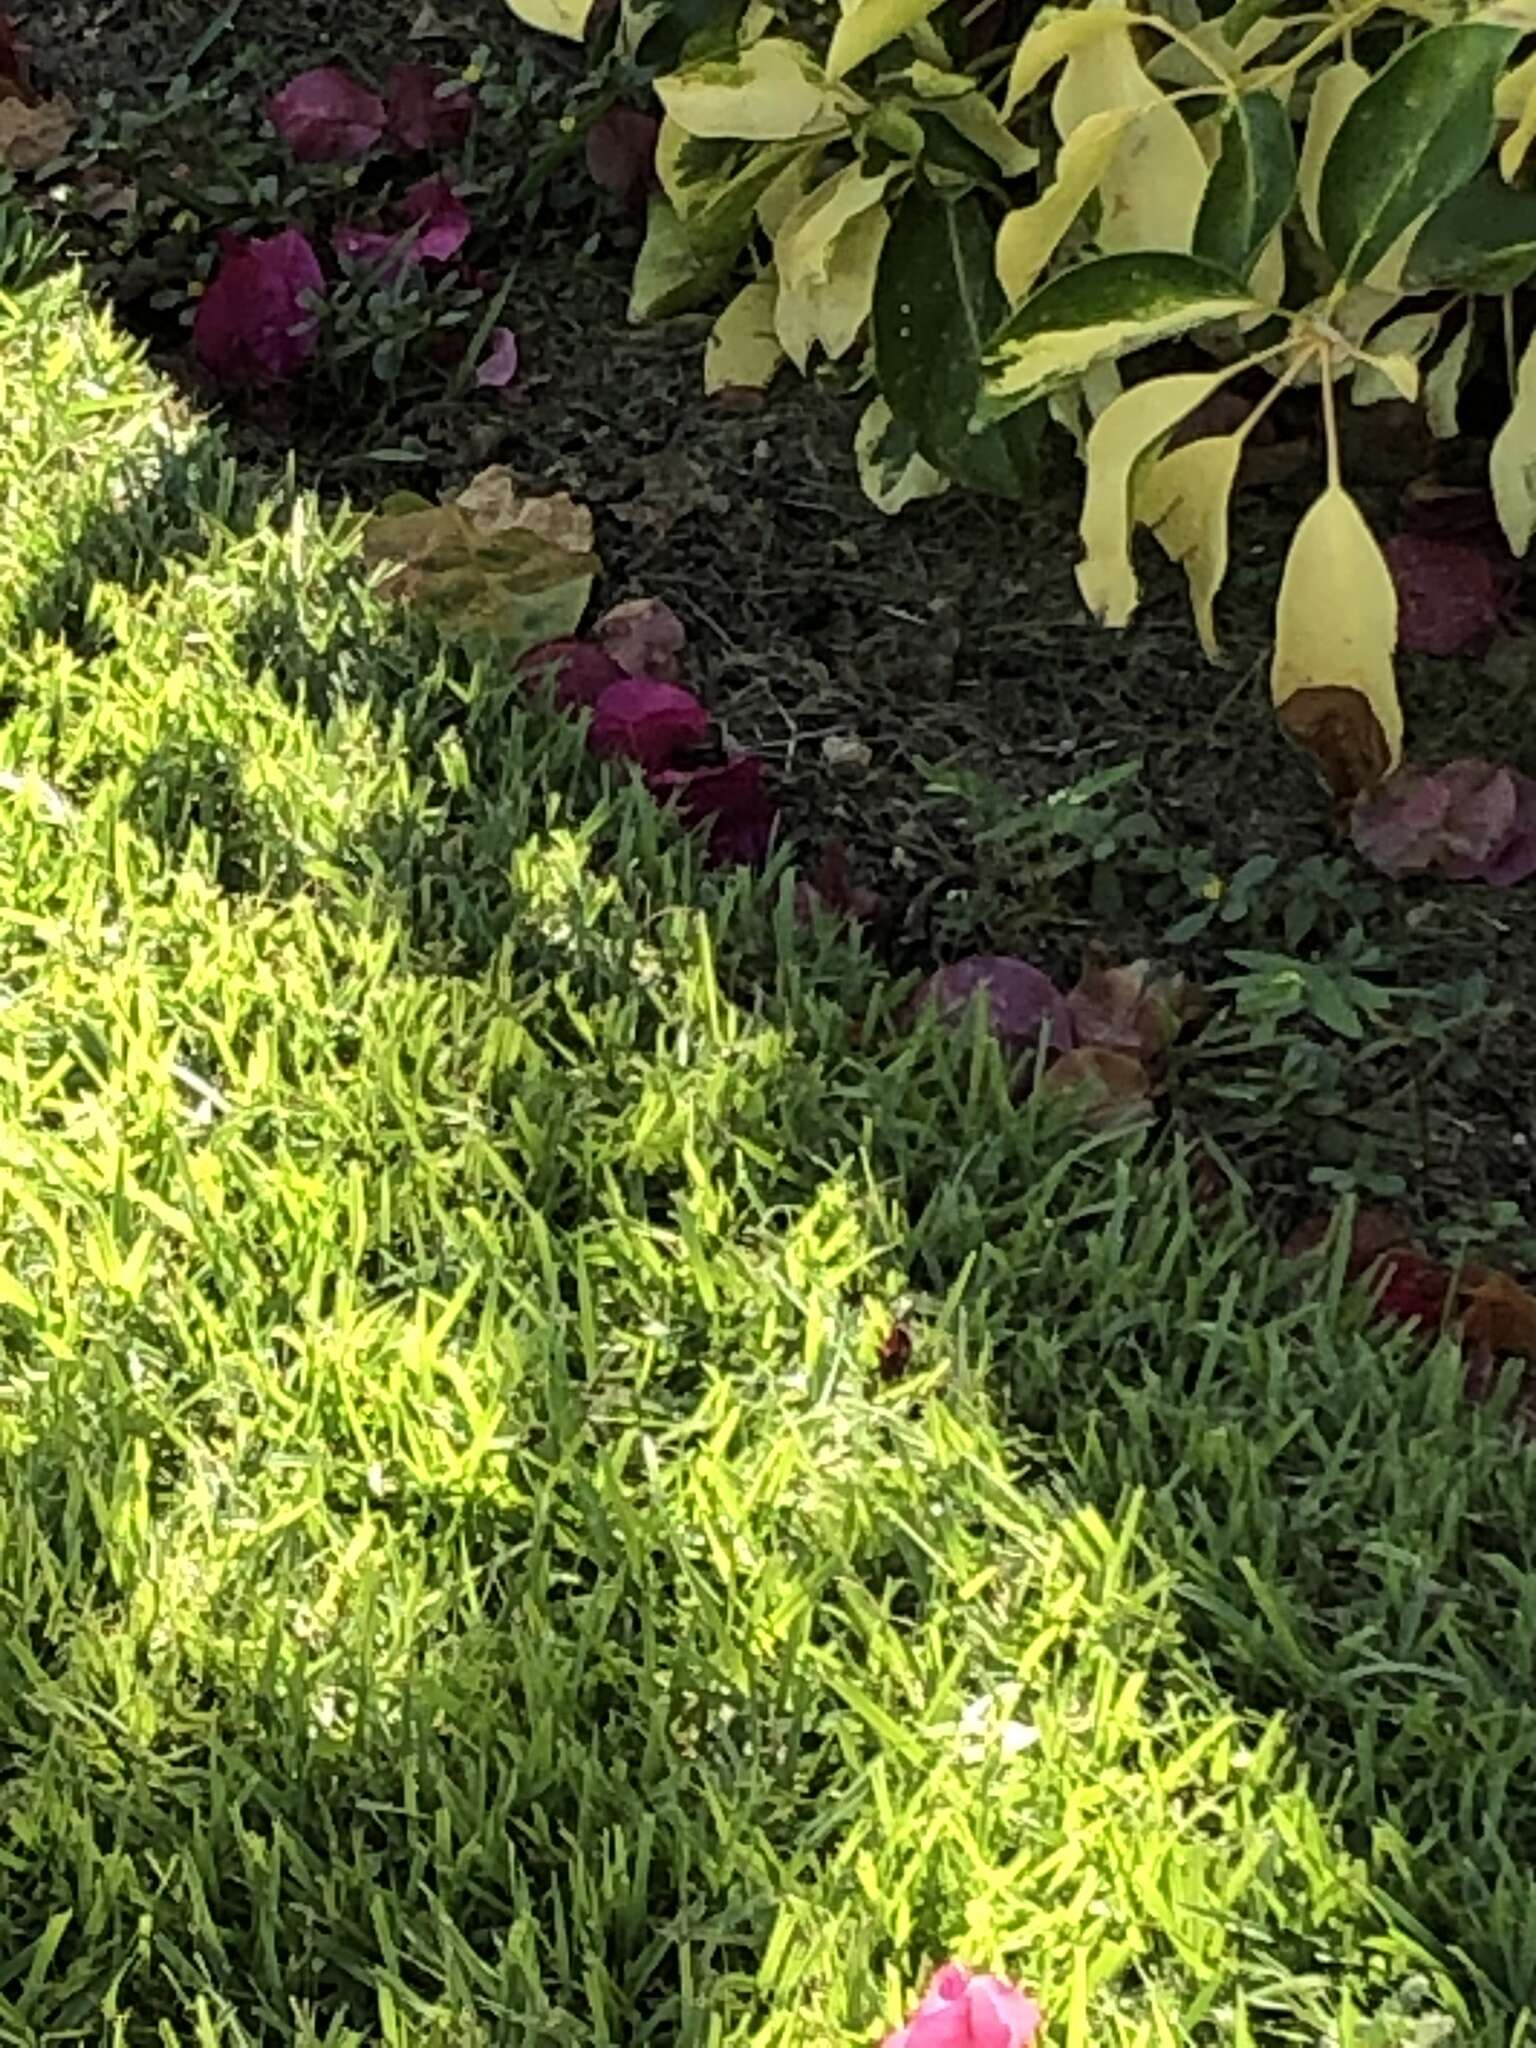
(325, 116)
(580, 672)
(427, 110)
(498, 366)
(256, 324)
(443, 217)
(640, 718)
(1472, 821)
(732, 801)
(621, 153)
(1022, 1002)
(644, 636)
(1447, 594)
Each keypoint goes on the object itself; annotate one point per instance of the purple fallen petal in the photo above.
(325, 116)
(731, 800)
(647, 721)
(425, 110)
(498, 366)
(1022, 1001)
(256, 323)
(1400, 827)
(581, 673)
(444, 219)
(1514, 859)
(1479, 815)
(1447, 594)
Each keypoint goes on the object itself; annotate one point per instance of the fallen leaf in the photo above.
(1447, 594)
(326, 116)
(498, 366)
(675, 485)
(642, 719)
(1130, 1009)
(621, 154)
(493, 503)
(33, 136)
(644, 636)
(1472, 821)
(256, 322)
(579, 671)
(1113, 1088)
(511, 580)
(1498, 1315)
(101, 197)
(442, 218)
(429, 25)
(1338, 728)
(426, 109)
(731, 801)
(1022, 1002)
(845, 754)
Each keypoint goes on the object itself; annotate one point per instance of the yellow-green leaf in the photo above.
(1030, 236)
(868, 26)
(1332, 97)
(1512, 461)
(1127, 435)
(1514, 99)
(1097, 311)
(1336, 623)
(892, 468)
(555, 17)
(714, 184)
(772, 92)
(1389, 368)
(1186, 498)
(1442, 385)
(1151, 193)
(827, 253)
(973, 116)
(743, 352)
(673, 271)
(1052, 38)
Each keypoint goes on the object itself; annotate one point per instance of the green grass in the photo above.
(462, 1575)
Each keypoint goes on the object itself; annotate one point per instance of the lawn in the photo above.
(475, 1565)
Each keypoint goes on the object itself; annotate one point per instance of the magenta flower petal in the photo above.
(1022, 1002)
(581, 672)
(498, 366)
(326, 117)
(965, 2011)
(256, 324)
(443, 218)
(1001, 2016)
(650, 722)
(731, 800)
(424, 110)
(390, 255)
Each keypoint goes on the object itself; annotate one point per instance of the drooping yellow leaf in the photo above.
(892, 470)
(827, 252)
(1185, 498)
(743, 352)
(1442, 385)
(772, 91)
(555, 17)
(1053, 36)
(789, 187)
(1030, 235)
(1129, 433)
(1514, 99)
(868, 26)
(1390, 367)
(1332, 97)
(1512, 461)
(1335, 636)
(1150, 193)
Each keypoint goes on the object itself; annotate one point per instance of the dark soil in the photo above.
(871, 659)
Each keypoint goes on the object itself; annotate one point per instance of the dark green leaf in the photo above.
(1482, 240)
(1252, 183)
(1418, 133)
(937, 300)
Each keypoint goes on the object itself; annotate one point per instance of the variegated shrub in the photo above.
(996, 208)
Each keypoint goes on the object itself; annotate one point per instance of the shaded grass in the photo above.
(462, 1574)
